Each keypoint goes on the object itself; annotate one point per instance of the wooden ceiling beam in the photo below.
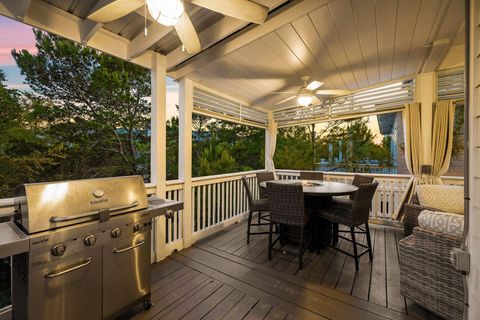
(17, 8)
(49, 18)
(88, 29)
(287, 14)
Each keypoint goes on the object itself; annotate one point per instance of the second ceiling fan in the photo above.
(172, 13)
(307, 94)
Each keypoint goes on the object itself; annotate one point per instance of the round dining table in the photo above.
(319, 188)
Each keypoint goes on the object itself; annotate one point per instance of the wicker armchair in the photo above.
(311, 175)
(427, 276)
(287, 207)
(262, 177)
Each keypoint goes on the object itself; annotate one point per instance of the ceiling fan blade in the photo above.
(314, 85)
(285, 100)
(241, 9)
(316, 101)
(332, 92)
(186, 32)
(109, 10)
(282, 92)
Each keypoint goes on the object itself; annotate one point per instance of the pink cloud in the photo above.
(14, 35)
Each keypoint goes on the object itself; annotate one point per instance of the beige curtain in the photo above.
(412, 125)
(442, 138)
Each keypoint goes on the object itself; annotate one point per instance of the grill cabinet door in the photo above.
(126, 273)
(68, 289)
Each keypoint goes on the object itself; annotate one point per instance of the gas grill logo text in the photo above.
(98, 193)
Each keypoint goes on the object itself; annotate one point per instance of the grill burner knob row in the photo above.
(58, 250)
(137, 227)
(116, 233)
(90, 240)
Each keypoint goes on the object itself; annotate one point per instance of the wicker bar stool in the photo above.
(311, 175)
(255, 205)
(261, 177)
(353, 216)
(287, 208)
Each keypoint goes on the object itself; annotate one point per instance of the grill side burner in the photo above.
(93, 261)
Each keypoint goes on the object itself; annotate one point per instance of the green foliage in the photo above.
(294, 149)
(217, 159)
(87, 116)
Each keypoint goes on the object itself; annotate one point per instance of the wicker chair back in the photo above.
(286, 204)
(248, 192)
(311, 175)
(358, 179)
(261, 177)
(363, 202)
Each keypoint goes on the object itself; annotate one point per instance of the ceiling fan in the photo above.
(307, 94)
(172, 13)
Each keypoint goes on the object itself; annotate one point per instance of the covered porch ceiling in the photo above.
(347, 44)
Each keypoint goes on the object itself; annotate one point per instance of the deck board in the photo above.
(222, 277)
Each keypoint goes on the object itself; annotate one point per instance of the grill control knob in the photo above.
(117, 232)
(90, 240)
(137, 227)
(58, 250)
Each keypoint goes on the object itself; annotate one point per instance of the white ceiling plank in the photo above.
(46, 17)
(430, 12)
(17, 8)
(364, 12)
(344, 21)
(293, 11)
(108, 10)
(142, 42)
(386, 13)
(448, 29)
(325, 27)
(303, 26)
(88, 29)
(291, 38)
(407, 16)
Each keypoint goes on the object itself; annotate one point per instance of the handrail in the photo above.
(226, 175)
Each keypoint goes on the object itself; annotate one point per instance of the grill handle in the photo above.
(138, 244)
(76, 267)
(56, 219)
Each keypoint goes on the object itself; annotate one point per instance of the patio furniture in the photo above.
(427, 276)
(254, 205)
(287, 208)
(262, 177)
(325, 189)
(311, 175)
(353, 214)
(359, 179)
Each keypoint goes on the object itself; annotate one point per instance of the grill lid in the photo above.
(44, 206)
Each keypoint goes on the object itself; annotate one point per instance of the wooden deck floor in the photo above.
(222, 277)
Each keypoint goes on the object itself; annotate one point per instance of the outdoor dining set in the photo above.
(308, 211)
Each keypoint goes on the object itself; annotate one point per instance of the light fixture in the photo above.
(304, 99)
(166, 12)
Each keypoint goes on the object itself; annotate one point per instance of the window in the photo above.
(220, 146)
(369, 144)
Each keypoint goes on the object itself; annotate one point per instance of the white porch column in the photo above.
(158, 140)
(426, 94)
(185, 156)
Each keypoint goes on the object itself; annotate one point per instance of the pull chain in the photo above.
(145, 17)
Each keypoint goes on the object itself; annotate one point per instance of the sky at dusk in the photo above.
(19, 36)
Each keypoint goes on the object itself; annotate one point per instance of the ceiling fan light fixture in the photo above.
(166, 12)
(304, 99)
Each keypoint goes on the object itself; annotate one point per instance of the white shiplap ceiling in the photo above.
(347, 44)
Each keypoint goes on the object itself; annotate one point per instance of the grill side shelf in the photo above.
(12, 240)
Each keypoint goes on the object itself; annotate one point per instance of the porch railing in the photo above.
(218, 201)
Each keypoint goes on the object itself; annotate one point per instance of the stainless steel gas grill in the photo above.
(89, 248)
